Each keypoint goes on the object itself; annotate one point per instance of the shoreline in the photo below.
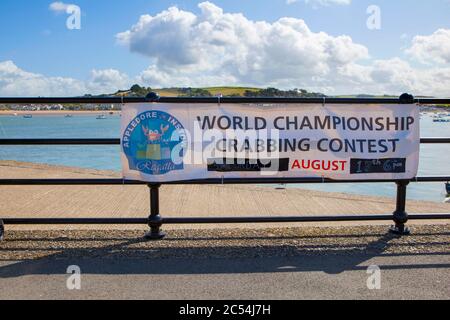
(423, 109)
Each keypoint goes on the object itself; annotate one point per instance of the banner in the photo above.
(175, 142)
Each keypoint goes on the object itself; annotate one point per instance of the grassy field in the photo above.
(168, 92)
(226, 91)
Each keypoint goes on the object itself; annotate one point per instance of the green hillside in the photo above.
(213, 91)
(225, 91)
(230, 91)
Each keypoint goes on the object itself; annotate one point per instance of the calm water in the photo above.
(435, 159)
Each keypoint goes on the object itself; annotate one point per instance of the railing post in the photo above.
(2, 230)
(400, 215)
(154, 220)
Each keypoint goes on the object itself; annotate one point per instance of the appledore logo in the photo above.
(154, 143)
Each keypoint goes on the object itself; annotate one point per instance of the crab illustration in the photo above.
(155, 135)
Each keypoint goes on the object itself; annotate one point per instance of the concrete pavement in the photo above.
(307, 277)
(284, 263)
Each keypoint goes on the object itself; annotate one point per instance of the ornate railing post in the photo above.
(155, 219)
(400, 215)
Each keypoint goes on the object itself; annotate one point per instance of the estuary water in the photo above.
(434, 159)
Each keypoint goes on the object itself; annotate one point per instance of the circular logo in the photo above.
(154, 143)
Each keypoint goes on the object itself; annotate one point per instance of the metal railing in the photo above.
(155, 220)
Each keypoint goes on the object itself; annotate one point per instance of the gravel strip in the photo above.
(219, 243)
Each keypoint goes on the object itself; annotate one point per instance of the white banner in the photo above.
(175, 142)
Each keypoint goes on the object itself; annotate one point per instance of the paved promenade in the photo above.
(286, 263)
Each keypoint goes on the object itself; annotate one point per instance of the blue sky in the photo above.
(35, 39)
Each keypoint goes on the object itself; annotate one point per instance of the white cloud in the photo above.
(106, 81)
(17, 82)
(394, 76)
(217, 46)
(59, 6)
(432, 48)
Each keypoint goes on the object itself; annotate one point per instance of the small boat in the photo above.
(441, 119)
(68, 116)
(101, 117)
(28, 116)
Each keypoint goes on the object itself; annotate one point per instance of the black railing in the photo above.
(155, 221)
(56, 142)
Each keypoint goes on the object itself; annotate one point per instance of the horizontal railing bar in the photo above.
(31, 142)
(204, 220)
(212, 220)
(24, 182)
(21, 182)
(226, 100)
(434, 140)
(43, 221)
(109, 141)
(431, 179)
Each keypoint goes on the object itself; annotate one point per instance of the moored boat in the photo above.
(441, 119)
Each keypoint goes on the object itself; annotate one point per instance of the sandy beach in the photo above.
(184, 201)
